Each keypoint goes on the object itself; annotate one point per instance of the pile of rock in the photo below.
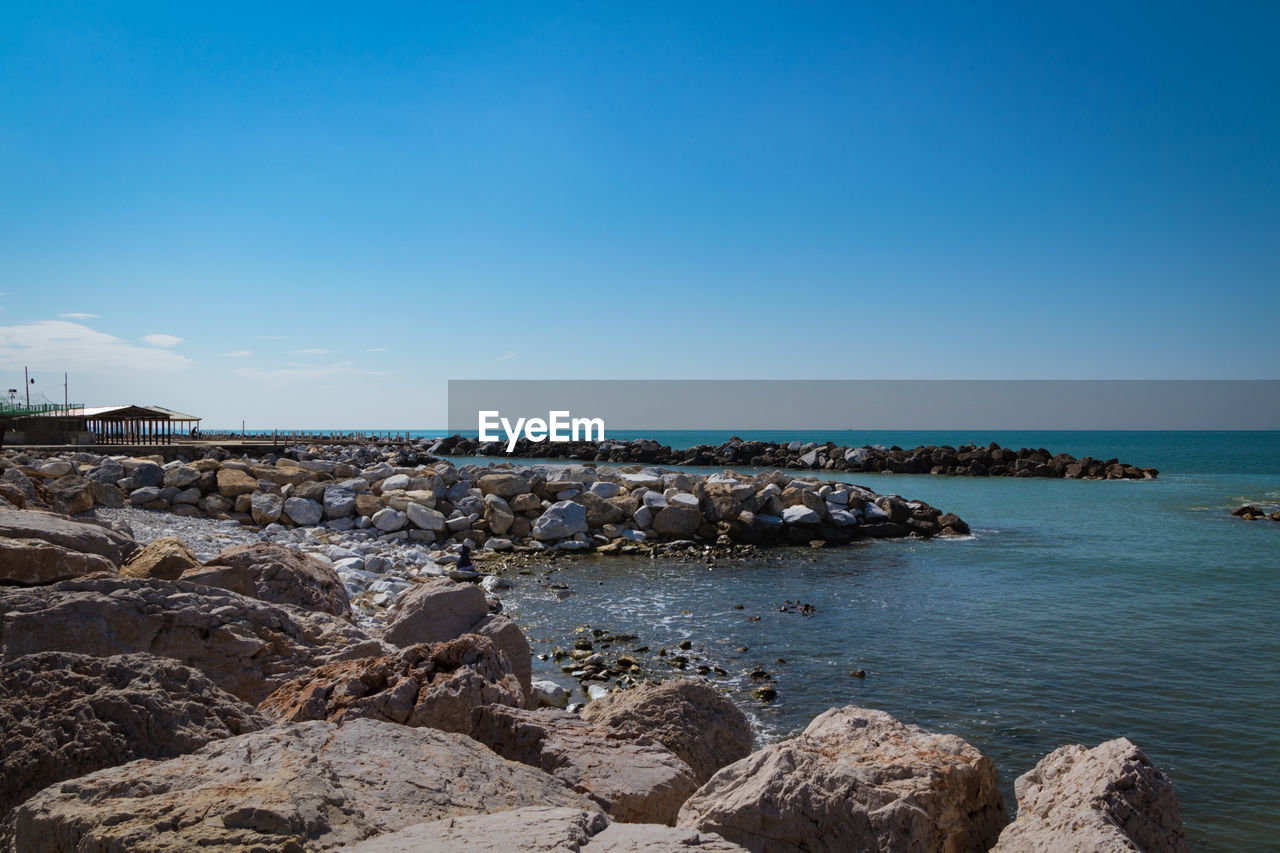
(622, 510)
(1251, 512)
(969, 460)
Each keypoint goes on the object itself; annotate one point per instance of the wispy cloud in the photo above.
(161, 340)
(506, 355)
(376, 349)
(62, 345)
(314, 351)
(240, 353)
(75, 315)
(272, 337)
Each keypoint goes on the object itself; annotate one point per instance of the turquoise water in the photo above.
(1080, 611)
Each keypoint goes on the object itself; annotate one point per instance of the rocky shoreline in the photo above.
(965, 461)
(155, 701)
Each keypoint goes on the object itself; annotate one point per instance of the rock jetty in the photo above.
(969, 460)
(1253, 512)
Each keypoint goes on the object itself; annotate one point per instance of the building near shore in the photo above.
(77, 424)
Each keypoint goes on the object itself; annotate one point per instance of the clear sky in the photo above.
(313, 215)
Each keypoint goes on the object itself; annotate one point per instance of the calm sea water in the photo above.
(1079, 612)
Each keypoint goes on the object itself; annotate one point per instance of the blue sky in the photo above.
(325, 212)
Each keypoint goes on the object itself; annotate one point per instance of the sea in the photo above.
(1077, 612)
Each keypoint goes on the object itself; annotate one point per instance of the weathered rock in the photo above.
(690, 718)
(499, 515)
(389, 520)
(146, 474)
(71, 534)
(637, 780)
(560, 521)
(855, 779)
(71, 494)
(424, 518)
(309, 786)
(65, 715)
(165, 558)
(30, 562)
(435, 611)
(245, 646)
(505, 486)
(339, 501)
(106, 495)
(511, 641)
(265, 507)
(542, 829)
(181, 476)
(232, 483)
(303, 512)
(276, 574)
(677, 522)
(1109, 799)
(428, 685)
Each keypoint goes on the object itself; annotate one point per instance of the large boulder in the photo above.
(637, 780)
(75, 535)
(435, 611)
(309, 786)
(265, 507)
(428, 685)
(507, 638)
(165, 558)
(560, 521)
(855, 779)
(505, 486)
(30, 562)
(543, 829)
(232, 483)
(277, 574)
(1109, 799)
(65, 715)
(245, 646)
(677, 521)
(71, 494)
(339, 501)
(689, 717)
(303, 512)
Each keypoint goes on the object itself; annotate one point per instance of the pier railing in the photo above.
(294, 436)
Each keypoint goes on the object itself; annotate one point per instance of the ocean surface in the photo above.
(1078, 612)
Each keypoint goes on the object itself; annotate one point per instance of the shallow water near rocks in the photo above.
(1079, 612)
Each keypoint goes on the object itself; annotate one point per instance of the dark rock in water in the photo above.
(292, 787)
(689, 717)
(66, 715)
(426, 685)
(245, 646)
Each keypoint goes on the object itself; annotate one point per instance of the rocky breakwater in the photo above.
(969, 460)
(1254, 512)
(611, 510)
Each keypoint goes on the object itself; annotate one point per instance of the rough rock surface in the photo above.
(60, 530)
(543, 830)
(245, 646)
(855, 779)
(30, 562)
(165, 558)
(309, 786)
(636, 779)
(66, 715)
(690, 718)
(435, 611)
(427, 685)
(1109, 799)
(276, 574)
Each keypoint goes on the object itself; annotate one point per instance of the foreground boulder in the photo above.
(440, 609)
(544, 830)
(855, 779)
(427, 685)
(1109, 799)
(636, 779)
(277, 574)
(73, 535)
(311, 786)
(65, 715)
(31, 562)
(690, 718)
(245, 646)
(165, 558)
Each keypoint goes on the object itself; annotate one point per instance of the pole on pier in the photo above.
(26, 380)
